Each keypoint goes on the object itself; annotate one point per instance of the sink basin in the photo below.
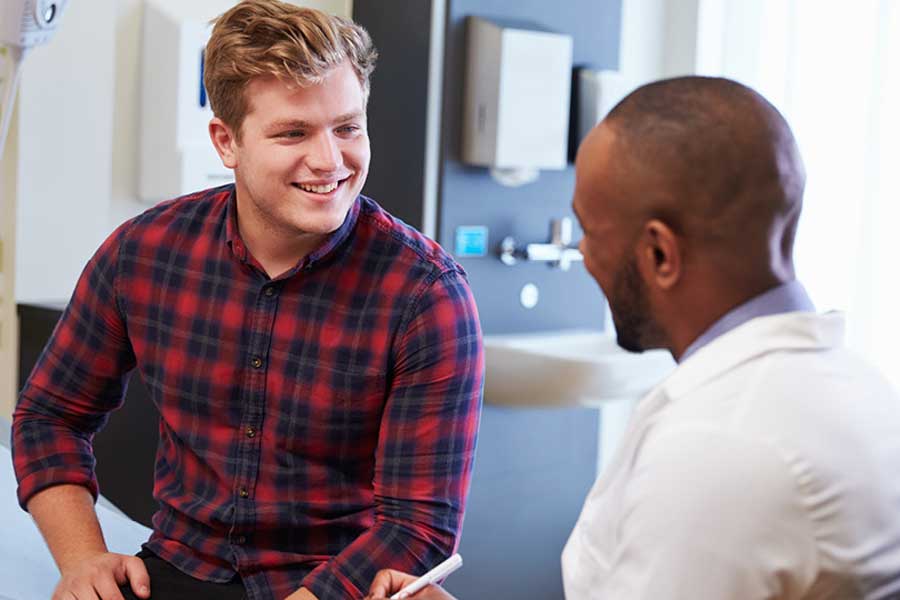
(567, 368)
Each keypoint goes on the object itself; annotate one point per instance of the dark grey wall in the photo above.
(398, 103)
(469, 196)
(533, 471)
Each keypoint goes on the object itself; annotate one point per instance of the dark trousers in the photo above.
(168, 583)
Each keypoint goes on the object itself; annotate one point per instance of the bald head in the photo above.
(716, 161)
(688, 194)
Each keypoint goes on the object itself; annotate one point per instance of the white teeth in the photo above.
(319, 189)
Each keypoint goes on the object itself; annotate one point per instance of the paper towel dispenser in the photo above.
(517, 93)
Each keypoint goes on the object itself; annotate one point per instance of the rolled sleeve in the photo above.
(78, 379)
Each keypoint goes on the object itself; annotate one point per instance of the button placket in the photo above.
(254, 407)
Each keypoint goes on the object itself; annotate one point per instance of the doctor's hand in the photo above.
(99, 576)
(389, 582)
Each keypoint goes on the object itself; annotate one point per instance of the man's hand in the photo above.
(388, 581)
(65, 515)
(99, 576)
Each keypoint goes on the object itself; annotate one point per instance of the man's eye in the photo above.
(348, 129)
(292, 134)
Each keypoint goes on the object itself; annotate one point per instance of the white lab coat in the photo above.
(766, 466)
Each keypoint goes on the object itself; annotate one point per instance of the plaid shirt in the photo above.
(313, 428)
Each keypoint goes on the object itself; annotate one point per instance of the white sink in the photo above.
(567, 368)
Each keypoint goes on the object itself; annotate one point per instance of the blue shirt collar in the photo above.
(787, 297)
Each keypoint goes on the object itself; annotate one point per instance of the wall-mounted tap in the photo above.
(558, 253)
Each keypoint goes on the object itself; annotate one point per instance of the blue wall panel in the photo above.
(469, 196)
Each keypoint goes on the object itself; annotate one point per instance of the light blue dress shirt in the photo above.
(787, 297)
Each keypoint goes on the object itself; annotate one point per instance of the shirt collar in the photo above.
(333, 241)
(336, 238)
(784, 298)
(232, 236)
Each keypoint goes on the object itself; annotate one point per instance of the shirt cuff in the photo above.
(45, 478)
(327, 583)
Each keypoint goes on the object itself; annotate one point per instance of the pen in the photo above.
(439, 572)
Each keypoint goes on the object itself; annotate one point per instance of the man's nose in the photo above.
(325, 155)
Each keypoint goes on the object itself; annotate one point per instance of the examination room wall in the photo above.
(73, 150)
(77, 181)
(78, 143)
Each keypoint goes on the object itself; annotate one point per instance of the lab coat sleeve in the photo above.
(710, 515)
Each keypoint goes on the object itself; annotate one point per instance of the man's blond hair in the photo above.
(258, 38)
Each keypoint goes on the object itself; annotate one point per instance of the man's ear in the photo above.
(224, 142)
(660, 255)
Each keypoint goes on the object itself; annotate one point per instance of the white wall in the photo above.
(77, 146)
(658, 39)
(9, 330)
(64, 163)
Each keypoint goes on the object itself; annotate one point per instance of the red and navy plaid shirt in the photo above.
(313, 428)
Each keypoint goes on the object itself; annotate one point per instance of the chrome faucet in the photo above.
(558, 253)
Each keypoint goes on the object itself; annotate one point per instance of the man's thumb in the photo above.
(138, 576)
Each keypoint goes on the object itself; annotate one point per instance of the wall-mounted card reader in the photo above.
(471, 241)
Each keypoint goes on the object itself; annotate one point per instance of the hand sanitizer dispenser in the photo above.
(176, 154)
(518, 85)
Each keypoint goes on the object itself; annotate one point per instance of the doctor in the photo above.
(766, 465)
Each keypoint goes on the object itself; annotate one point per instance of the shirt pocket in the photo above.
(332, 413)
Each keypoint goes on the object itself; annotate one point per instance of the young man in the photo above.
(316, 364)
(765, 466)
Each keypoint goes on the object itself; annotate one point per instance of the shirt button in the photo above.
(240, 540)
(256, 362)
(270, 291)
(244, 493)
(250, 432)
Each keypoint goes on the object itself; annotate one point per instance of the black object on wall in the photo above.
(126, 448)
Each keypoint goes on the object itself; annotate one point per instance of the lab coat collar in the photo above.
(795, 331)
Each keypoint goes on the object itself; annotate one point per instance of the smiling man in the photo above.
(316, 363)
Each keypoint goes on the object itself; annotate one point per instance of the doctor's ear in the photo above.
(224, 142)
(660, 257)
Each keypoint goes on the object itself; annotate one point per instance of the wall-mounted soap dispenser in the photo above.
(176, 154)
(517, 92)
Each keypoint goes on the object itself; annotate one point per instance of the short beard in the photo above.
(636, 330)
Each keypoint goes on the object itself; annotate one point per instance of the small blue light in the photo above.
(471, 241)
